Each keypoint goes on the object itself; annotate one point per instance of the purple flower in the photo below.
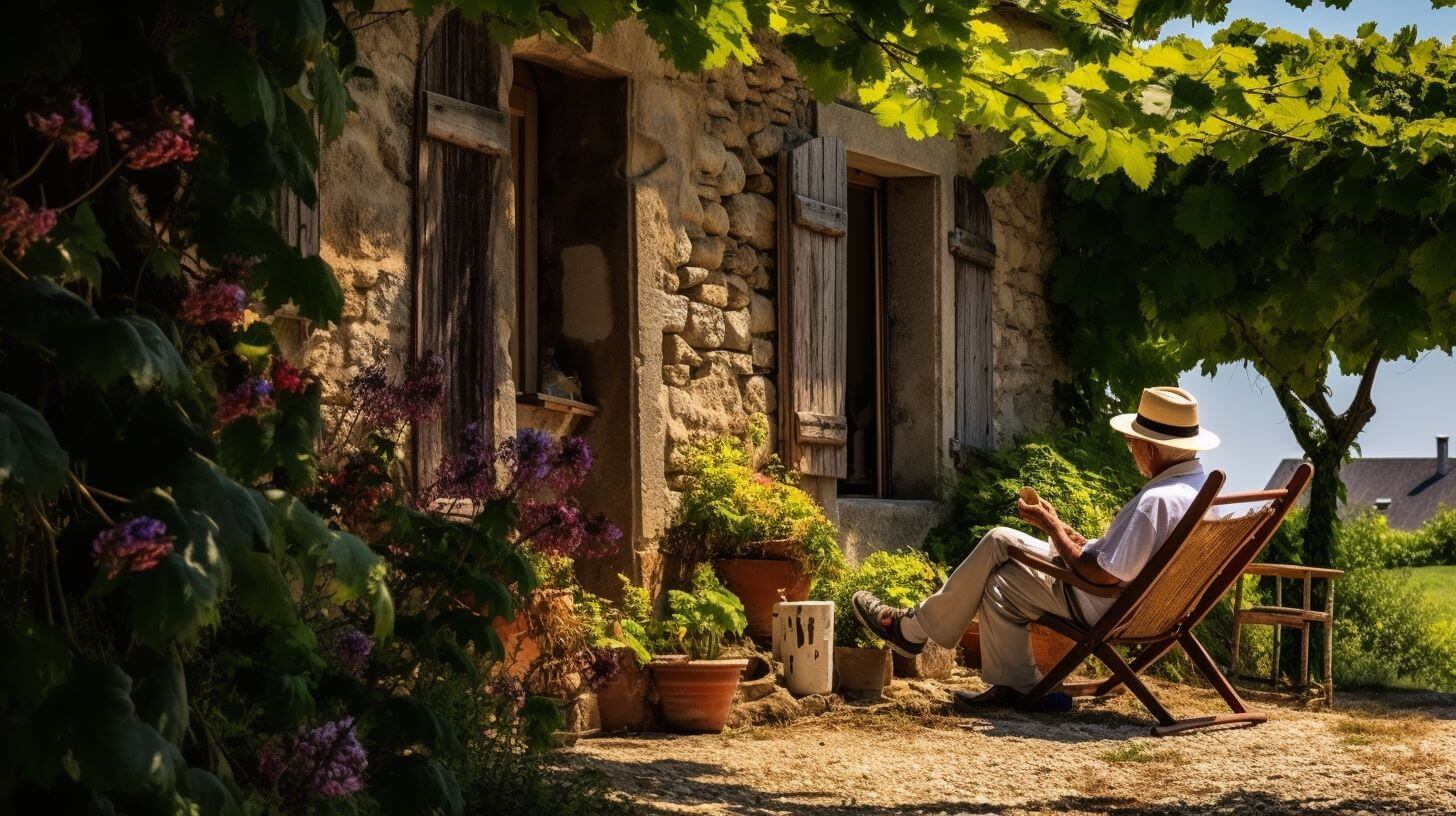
(604, 665)
(136, 545)
(573, 463)
(216, 302)
(350, 649)
(468, 474)
(71, 125)
(251, 397)
(559, 527)
(531, 457)
(553, 527)
(326, 762)
(415, 399)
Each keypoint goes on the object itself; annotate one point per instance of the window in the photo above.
(864, 380)
(525, 124)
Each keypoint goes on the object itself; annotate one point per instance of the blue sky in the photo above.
(1415, 400)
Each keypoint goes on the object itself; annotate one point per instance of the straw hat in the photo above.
(1167, 416)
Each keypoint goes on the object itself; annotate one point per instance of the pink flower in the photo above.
(20, 226)
(136, 545)
(71, 125)
(288, 378)
(170, 140)
(251, 397)
(216, 302)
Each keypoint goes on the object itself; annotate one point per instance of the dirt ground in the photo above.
(916, 754)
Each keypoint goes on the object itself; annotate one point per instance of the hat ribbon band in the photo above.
(1180, 431)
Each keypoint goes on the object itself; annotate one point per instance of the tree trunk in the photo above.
(1324, 505)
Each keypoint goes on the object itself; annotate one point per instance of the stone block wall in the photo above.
(718, 341)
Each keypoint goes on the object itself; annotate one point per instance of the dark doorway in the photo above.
(864, 381)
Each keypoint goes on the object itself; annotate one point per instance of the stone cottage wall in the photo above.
(702, 162)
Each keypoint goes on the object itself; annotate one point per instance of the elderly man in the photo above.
(1164, 438)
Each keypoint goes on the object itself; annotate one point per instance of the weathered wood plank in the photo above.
(974, 351)
(816, 191)
(820, 217)
(471, 126)
(821, 429)
(968, 247)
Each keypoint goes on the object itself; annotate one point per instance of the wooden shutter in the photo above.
(814, 200)
(975, 258)
(460, 130)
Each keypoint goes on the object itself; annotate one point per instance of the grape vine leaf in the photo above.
(30, 456)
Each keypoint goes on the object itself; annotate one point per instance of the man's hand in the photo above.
(1040, 515)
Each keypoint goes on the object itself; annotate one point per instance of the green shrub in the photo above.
(1085, 475)
(902, 578)
(1387, 632)
(730, 509)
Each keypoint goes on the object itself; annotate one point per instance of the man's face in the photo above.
(1144, 454)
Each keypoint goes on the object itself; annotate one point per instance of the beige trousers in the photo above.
(1006, 596)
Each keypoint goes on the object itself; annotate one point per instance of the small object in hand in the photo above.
(1029, 495)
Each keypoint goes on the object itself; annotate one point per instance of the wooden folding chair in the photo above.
(1157, 610)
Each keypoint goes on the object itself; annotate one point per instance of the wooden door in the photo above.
(975, 258)
(460, 132)
(813, 205)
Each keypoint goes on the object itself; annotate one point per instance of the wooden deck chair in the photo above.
(1157, 610)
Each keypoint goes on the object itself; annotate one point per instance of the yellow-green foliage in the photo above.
(1086, 476)
(730, 508)
(901, 579)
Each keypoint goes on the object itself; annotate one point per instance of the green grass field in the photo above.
(1439, 585)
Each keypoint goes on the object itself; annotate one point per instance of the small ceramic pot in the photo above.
(862, 673)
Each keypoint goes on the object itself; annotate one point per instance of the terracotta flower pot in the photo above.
(1047, 647)
(760, 583)
(622, 703)
(695, 695)
(861, 672)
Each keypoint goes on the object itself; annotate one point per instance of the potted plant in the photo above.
(695, 693)
(902, 579)
(620, 646)
(765, 536)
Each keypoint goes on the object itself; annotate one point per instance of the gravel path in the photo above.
(915, 755)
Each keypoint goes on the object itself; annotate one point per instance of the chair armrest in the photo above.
(1061, 572)
(1293, 571)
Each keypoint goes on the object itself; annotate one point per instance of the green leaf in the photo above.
(222, 68)
(1209, 213)
(103, 350)
(308, 283)
(30, 457)
(330, 96)
(416, 785)
(39, 660)
(244, 448)
(1433, 265)
(357, 569)
(88, 728)
(261, 589)
(208, 793)
(164, 264)
(160, 693)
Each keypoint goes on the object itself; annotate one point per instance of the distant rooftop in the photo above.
(1408, 490)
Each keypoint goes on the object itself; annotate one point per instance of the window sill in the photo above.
(563, 405)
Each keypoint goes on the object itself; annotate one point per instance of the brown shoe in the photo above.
(883, 621)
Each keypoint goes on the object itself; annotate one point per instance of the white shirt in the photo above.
(1141, 527)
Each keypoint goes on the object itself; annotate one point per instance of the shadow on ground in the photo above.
(696, 785)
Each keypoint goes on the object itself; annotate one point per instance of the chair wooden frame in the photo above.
(1101, 638)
